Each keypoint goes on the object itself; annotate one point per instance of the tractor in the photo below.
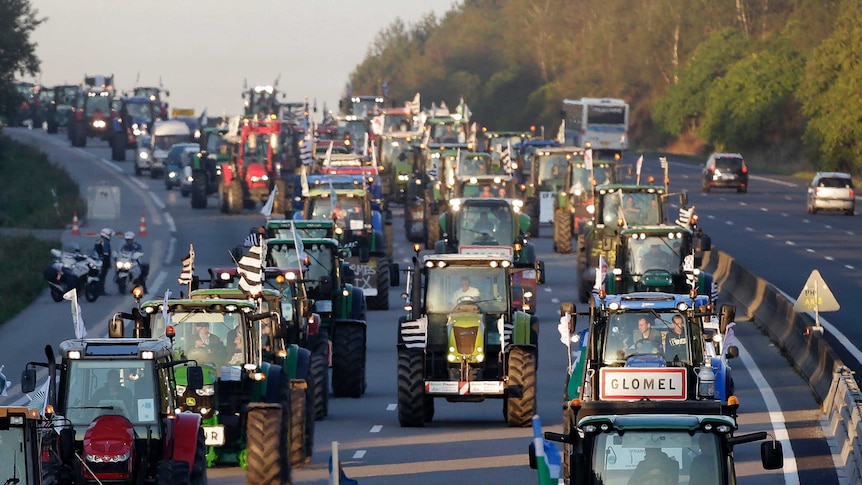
(25, 440)
(206, 167)
(61, 106)
(119, 398)
(134, 117)
(251, 174)
(463, 340)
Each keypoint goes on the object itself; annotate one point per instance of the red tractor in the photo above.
(253, 169)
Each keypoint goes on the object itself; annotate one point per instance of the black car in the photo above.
(725, 170)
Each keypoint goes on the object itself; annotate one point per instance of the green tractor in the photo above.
(396, 157)
(340, 305)
(463, 340)
(250, 416)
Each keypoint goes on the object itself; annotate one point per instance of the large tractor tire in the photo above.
(199, 467)
(380, 301)
(531, 210)
(172, 472)
(234, 198)
(199, 190)
(266, 460)
(348, 361)
(318, 374)
(519, 410)
(412, 402)
(562, 231)
(118, 147)
(294, 423)
(389, 235)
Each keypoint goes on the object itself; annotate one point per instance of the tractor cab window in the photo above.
(486, 226)
(484, 286)
(320, 259)
(644, 333)
(347, 211)
(657, 456)
(12, 448)
(552, 172)
(111, 387)
(200, 335)
(98, 103)
(654, 253)
(139, 111)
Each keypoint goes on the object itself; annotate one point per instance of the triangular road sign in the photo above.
(816, 296)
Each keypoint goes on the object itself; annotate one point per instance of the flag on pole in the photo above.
(77, 319)
(364, 143)
(251, 271)
(506, 157)
(561, 133)
(333, 197)
(328, 158)
(297, 244)
(601, 273)
(303, 181)
(39, 399)
(266, 210)
(588, 159)
(306, 153)
(339, 477)
(166, 315)
(188, 267)
(548, 459)
(638, 166)
(5, 383)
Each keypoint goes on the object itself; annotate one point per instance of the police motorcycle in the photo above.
(127, 266)
(74, 269)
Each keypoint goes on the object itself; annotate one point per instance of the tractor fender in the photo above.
(526, 256)
(355, 306)
(272, 382)
(227, 173)
(185, 438)
(377, 221)
(296, 364)
(722, 379)
(520, 329)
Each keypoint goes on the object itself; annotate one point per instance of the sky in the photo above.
(204, 51)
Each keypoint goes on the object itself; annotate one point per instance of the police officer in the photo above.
(103, 249)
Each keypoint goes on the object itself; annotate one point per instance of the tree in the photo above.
(18, 20)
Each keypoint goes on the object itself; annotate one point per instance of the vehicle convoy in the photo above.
(74, 269)
(118, 398)
(494, 226)
(245, 401)
(165, 134)
(346, 201)
(463, 340)
(599, 123)
(61, 106)
(340, 305)
(251, 174)
(133, 118)
(25, 438)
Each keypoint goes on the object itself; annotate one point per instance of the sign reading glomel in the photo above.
(628, 383)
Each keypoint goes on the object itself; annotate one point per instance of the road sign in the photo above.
(816, 296)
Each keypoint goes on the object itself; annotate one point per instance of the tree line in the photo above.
(779, 78)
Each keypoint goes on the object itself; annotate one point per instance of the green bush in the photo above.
(22, 260)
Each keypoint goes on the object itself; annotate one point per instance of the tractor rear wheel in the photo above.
(234, 198)
(294, 421)
(199, 467)
(412, 402)
(432, 228)
(522, 373)
(318, 374)
(380, 301)
(266, 458)
(531, 211)
(170, 472)
(118, 147)
(199, 190)
(562, 231)
(348, 361)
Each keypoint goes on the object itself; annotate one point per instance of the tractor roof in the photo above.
(652, 300)
(671, 231)
(103, 348)
(629, 188)
(482, 260)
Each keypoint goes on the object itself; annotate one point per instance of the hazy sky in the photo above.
(203, 50)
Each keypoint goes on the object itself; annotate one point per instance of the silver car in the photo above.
(831, 191)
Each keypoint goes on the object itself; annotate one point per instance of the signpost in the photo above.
(816, 297)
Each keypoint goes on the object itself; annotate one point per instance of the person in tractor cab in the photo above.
(133, 247)
(647, 337)
(657, 468)
(466, 292)
(114, 391)
(676, 343)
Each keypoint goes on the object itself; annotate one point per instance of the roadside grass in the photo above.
(36, 195)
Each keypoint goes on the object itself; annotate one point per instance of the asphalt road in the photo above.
(465, 441)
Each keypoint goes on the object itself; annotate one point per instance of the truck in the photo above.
(462, 339)
(164, 135)
(598, 123)
(118, 397)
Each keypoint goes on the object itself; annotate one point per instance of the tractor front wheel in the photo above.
(380, 301)
(172, 472)
(348, 360)
(234, 198)
(318, 374)
(520, 401)
(562, 231)
(412, 403)
(266, 458)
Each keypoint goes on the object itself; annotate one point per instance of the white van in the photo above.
(164, 135)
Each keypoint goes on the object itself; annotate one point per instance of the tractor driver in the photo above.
(466, 291)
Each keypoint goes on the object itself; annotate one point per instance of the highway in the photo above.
(767, 229)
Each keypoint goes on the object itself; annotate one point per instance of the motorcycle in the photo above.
(127, 268)
(74, 270)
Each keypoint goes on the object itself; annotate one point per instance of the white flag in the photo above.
(77, 319)
(303, 181)
(588, 158)
(601, 273)
(39, 399)
(638, 166)
(266, 210)
(561, 133)
(250, 271)
(166, 315)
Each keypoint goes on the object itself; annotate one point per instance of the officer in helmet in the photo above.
(133, 246)
(103, 249)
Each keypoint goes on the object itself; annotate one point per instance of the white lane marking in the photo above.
(113, 166)
(157, 283)
(157, 201)
(169, 256)
(391, 407)
(555, 300)
(139, 183)
(849, 266)
(360, 454)
(172, 227)
(764, 209)
(829, 258)
(376, 428)
(548, 289)
(773, 181)
(809, 250)
(769, 236)
(790, 243)
(729, 223)
(776, 416)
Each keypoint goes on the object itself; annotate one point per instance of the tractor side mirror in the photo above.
(772, 455)
(727, 314)
(28, 381)
(195, 376)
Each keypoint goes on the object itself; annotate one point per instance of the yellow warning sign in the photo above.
(177, 112)
(816, 296)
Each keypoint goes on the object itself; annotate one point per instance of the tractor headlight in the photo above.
(181, 390)
(108, 459)
(207, 390)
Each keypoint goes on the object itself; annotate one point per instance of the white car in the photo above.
(831, 191)
(165, 134)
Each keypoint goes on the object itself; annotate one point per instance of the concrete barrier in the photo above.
(831, 382)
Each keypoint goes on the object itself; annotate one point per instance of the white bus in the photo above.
(601, 122)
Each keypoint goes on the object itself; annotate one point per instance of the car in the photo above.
(186, 178)
(831, 191)
(725, 170)
(174, 163)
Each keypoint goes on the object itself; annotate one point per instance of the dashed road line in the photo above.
(376, 428)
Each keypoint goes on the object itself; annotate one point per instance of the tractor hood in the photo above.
(466, 337)
(109, 437)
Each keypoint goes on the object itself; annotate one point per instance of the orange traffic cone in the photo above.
(76, 230)
(142, 229)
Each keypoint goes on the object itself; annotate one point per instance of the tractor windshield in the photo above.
(395, 122)
(552, 172)
(320, 258)
(486, 226)
(485, 286)
(656, 456)
(654, 253)
(347, 210)
(447, 133)
(14, 462)
(141, 111)
(471, 165)
(663, 333)
(602, 173)
(631, 209)
(98, 103)
(125, 387)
